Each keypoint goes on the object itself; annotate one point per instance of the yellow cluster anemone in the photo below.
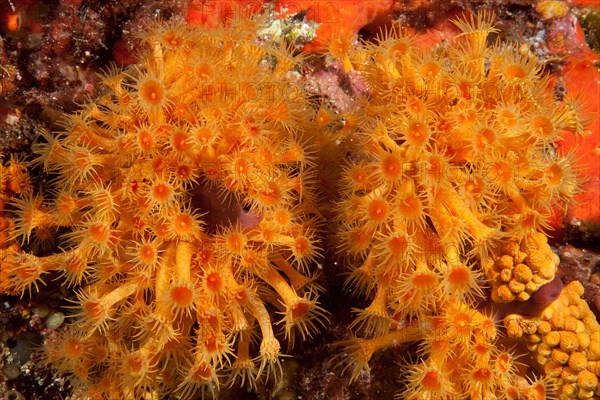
(185, 200)
(452, 176)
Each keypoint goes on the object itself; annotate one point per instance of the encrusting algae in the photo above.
(451, 173)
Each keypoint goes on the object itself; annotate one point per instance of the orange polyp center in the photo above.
(271, 195)
(417, 133)
(399, 49)
(202, 373)
(235, 242)
(485, 137)
(282, 217)
(66, 204)
(241, 166)
(99, 233)
(554, 174)
(500, 172)
(430, 69)
(147, 253)
(398, 245)
(542, 125)
(472, 187)
(94, 310)
(184, 172)
(203, 135)
(459, 276)
(481, 348)
(462, 323)
(503, 362)
(161, 192)
(423, 280)
(75, 265)
(360, 239)
(152, 91)
(182, 296)
(183, 223)
(431, 381)
(73, 348)
(514, 71)
(204, 71)
(482, 374)
(214, 282)
(299, 310)
(212, 344)
(507, 118)
(414, 105)
(180, 142)
(135, 363)
(391, 166)
(410, 207)
(172, 39)
(377, 210)
(301, 246)
(339, 46)
(358, 175)
(323, 117)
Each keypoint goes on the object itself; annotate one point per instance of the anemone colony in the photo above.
(450, 175)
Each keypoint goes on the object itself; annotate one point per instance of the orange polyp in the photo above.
(377, 210)
(302, 247)
(503, 362)
(431, 381)
(299, 310)
(500, 172)
(172, 39)
(398, 49)
(507, 118)
(152, 92)
(161, 192)
(417, 133)
(214, 282)
(359, 239)
(415, 105)
(204, 71)
(235, 242)
(410, 207)
(203, 135)
(358, 175)
(135, 363)
(182, 296)
(99, 233)
(554, 174)
(459, 276)
(147, 253)
(542, 125)
(184, 172)
(514, 71)
(73, 348)
(94, 310)
(484, 137)
(391, 167)
(482, 374)
(181, 142)
(202, 373)
(397, 245)
(271, 195)
(423, 280)
(282, 217)
(183, 224)
(430, 69)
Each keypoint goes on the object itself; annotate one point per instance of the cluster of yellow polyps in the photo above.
(454, 174)
(168, 297)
